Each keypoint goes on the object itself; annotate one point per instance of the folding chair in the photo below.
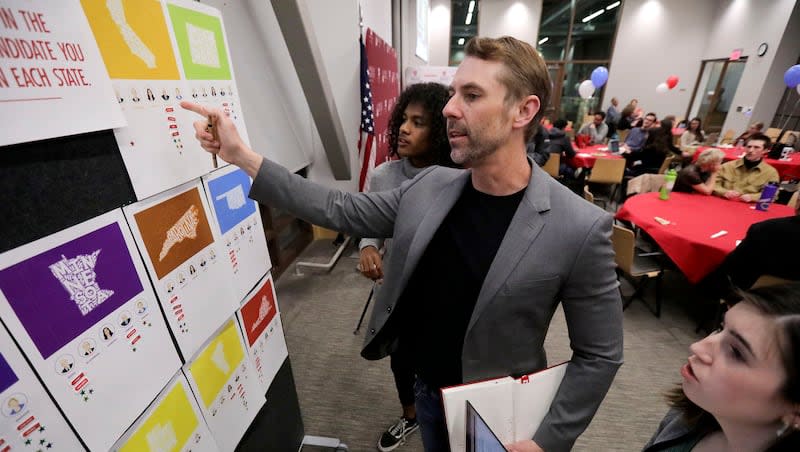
(607, 172)
(552, 165)
(639, 266)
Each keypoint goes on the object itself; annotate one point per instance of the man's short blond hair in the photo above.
(525, 74)
(710, 156)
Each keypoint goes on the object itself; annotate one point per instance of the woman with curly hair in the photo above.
(741, 384)
(418, 136)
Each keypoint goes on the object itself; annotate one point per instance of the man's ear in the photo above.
(526, 110)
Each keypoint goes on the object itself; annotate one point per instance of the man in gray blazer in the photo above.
(481, 256)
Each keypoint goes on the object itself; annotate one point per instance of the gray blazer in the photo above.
(557, 248)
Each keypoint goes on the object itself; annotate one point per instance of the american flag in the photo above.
(366, 136)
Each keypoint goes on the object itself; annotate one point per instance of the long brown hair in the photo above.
(781, 302)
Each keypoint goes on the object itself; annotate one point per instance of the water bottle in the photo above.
(669, 182)
(767, 195)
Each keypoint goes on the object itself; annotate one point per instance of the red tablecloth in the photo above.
(586, 157)
(787, 169)
(694, 218)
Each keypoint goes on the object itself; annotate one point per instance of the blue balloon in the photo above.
(792, 76)
(599, 76)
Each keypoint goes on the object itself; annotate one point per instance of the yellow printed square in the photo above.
(169, 426)
(133, 38)
(217, 362)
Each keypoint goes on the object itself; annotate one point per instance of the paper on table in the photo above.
(718, 234)
(584, 154)
(661, 221)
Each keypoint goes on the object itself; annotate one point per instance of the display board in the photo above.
(260, 320)
(30, 419)
(226, 387)
(173, 422)
(185, 261)
(49, 67)
(159, 53)
(238, 223)
(80, 306)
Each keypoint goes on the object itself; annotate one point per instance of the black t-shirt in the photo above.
(440, 296)
(688, 177)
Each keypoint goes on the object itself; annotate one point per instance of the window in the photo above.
(463, 26)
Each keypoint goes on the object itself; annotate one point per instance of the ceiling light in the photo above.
(461, 41)
(612, 6)
(469, 19)
(471, 6)
(543, 40)
(592, 16)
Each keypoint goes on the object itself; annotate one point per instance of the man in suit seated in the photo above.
(482, 256)
(597, 129)
(743, 179)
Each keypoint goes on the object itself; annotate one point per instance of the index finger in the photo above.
(197, 108)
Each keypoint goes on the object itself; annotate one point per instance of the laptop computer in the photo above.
(480, 438)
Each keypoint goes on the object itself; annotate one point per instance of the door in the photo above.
(714, 91)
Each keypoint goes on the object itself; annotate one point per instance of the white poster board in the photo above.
(159, 53)
(80, 306)
(173, 422)
(430, 74)
(186, 262)
(30, 419)
(260, 321)
(52, 79)
(238, 223)
(227, 389)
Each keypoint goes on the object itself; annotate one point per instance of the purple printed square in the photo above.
(62, 292)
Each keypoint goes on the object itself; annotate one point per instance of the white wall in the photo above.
(746, 24)
(377, 15)
(516, 18)
(438, 33)
(336, 29)
(275, 112)
(656, 39)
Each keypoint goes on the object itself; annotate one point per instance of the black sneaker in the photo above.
(395, 436)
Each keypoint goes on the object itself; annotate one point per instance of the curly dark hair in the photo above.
(432, 97)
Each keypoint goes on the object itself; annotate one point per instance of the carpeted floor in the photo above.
(345, 396)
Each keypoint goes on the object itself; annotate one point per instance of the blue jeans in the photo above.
(430, 416)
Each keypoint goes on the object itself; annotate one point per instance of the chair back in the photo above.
(773, 133)
(623, 134)
(666, 163)
(769, 280)
(793, 200)
(645, 183)
(728, 137)
(587, 195)
(607, 171)
(624, 242)
(552, 165)
(788, 134)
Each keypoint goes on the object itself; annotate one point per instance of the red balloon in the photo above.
(672, 81)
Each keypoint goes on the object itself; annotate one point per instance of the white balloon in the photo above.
(662, 88)
(586, 89)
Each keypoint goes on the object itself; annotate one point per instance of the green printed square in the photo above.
(208, 60)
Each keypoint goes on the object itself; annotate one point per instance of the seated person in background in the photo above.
(561, 144)
(418, 135)
(655, 150)
(536, 148)
(741, 385)
(744, 178)
(693, 136)
(755, 128)
(626, 118)
(701, 176)
(790, 145)
(638, 135)
(597, 129)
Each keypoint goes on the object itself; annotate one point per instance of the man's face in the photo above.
(754, 150)
(598, 120)
(649, 120)
(478, 119)
(614, 102)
